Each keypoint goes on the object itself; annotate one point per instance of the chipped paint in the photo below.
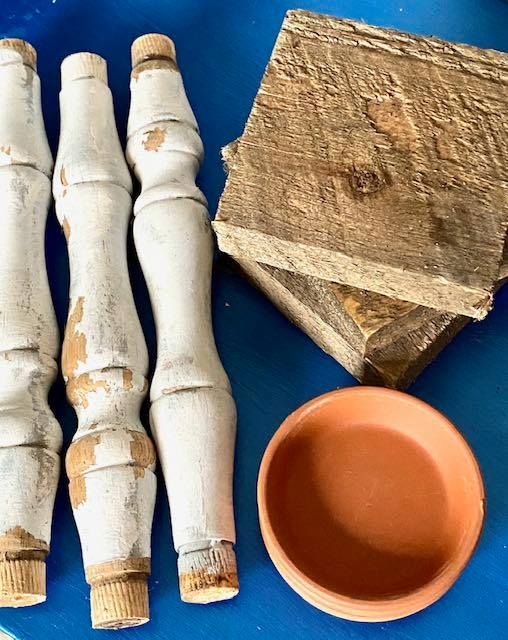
(192, 413)
(105, 360)
(78, 389)
(30, 438)
(74, 346)
(154, 139)
(127, 379)
(77, 491)
(142, 449)
(150, 65)
(81, 455)
(66, 226)
(17, 538)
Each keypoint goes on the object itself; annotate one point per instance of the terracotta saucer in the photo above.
(370, 503)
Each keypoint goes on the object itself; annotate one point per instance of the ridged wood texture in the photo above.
(376, 159)
(379, 340)
(193, 414)
(30, 436)
(369, 334)
(110, 463)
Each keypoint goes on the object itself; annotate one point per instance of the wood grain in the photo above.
(355, 326)
(379, 340)
(329, 324)
(339, 318)
(376, 159)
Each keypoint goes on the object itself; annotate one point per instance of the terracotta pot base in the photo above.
(370, 502)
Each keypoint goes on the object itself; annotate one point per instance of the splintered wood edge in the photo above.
(503, 271)
(486, 63)
(401, 362)
(330, 265)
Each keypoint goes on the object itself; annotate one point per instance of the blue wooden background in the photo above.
(223, 47)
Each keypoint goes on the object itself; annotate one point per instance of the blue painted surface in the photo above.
(223, 47)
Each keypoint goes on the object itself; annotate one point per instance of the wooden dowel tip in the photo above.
(84, 65)
(22, 582)
(208, 575)
(120, 603)
(26, 51)
(152, 46)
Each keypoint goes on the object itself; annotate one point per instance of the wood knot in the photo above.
(366, 181)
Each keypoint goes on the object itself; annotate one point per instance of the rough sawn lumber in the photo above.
(379, 340)
(343, 328)
(376, 159)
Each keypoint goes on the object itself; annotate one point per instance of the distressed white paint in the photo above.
(193, 415)
(106, 383)
(30, 436)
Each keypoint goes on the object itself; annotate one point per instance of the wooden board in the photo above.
(376, 159)
(337, 329)
(352, 325)
(379, 340)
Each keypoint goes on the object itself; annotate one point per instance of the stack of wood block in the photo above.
(367, 196)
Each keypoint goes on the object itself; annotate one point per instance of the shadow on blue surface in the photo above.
(222, 49)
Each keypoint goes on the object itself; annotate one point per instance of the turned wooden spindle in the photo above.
(193, 414)
(30, 436)
(110, 463)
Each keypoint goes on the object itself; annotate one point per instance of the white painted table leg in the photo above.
(30, 436)
(110, 463)
(193, 414)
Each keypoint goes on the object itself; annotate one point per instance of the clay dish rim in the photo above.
(363, 609)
